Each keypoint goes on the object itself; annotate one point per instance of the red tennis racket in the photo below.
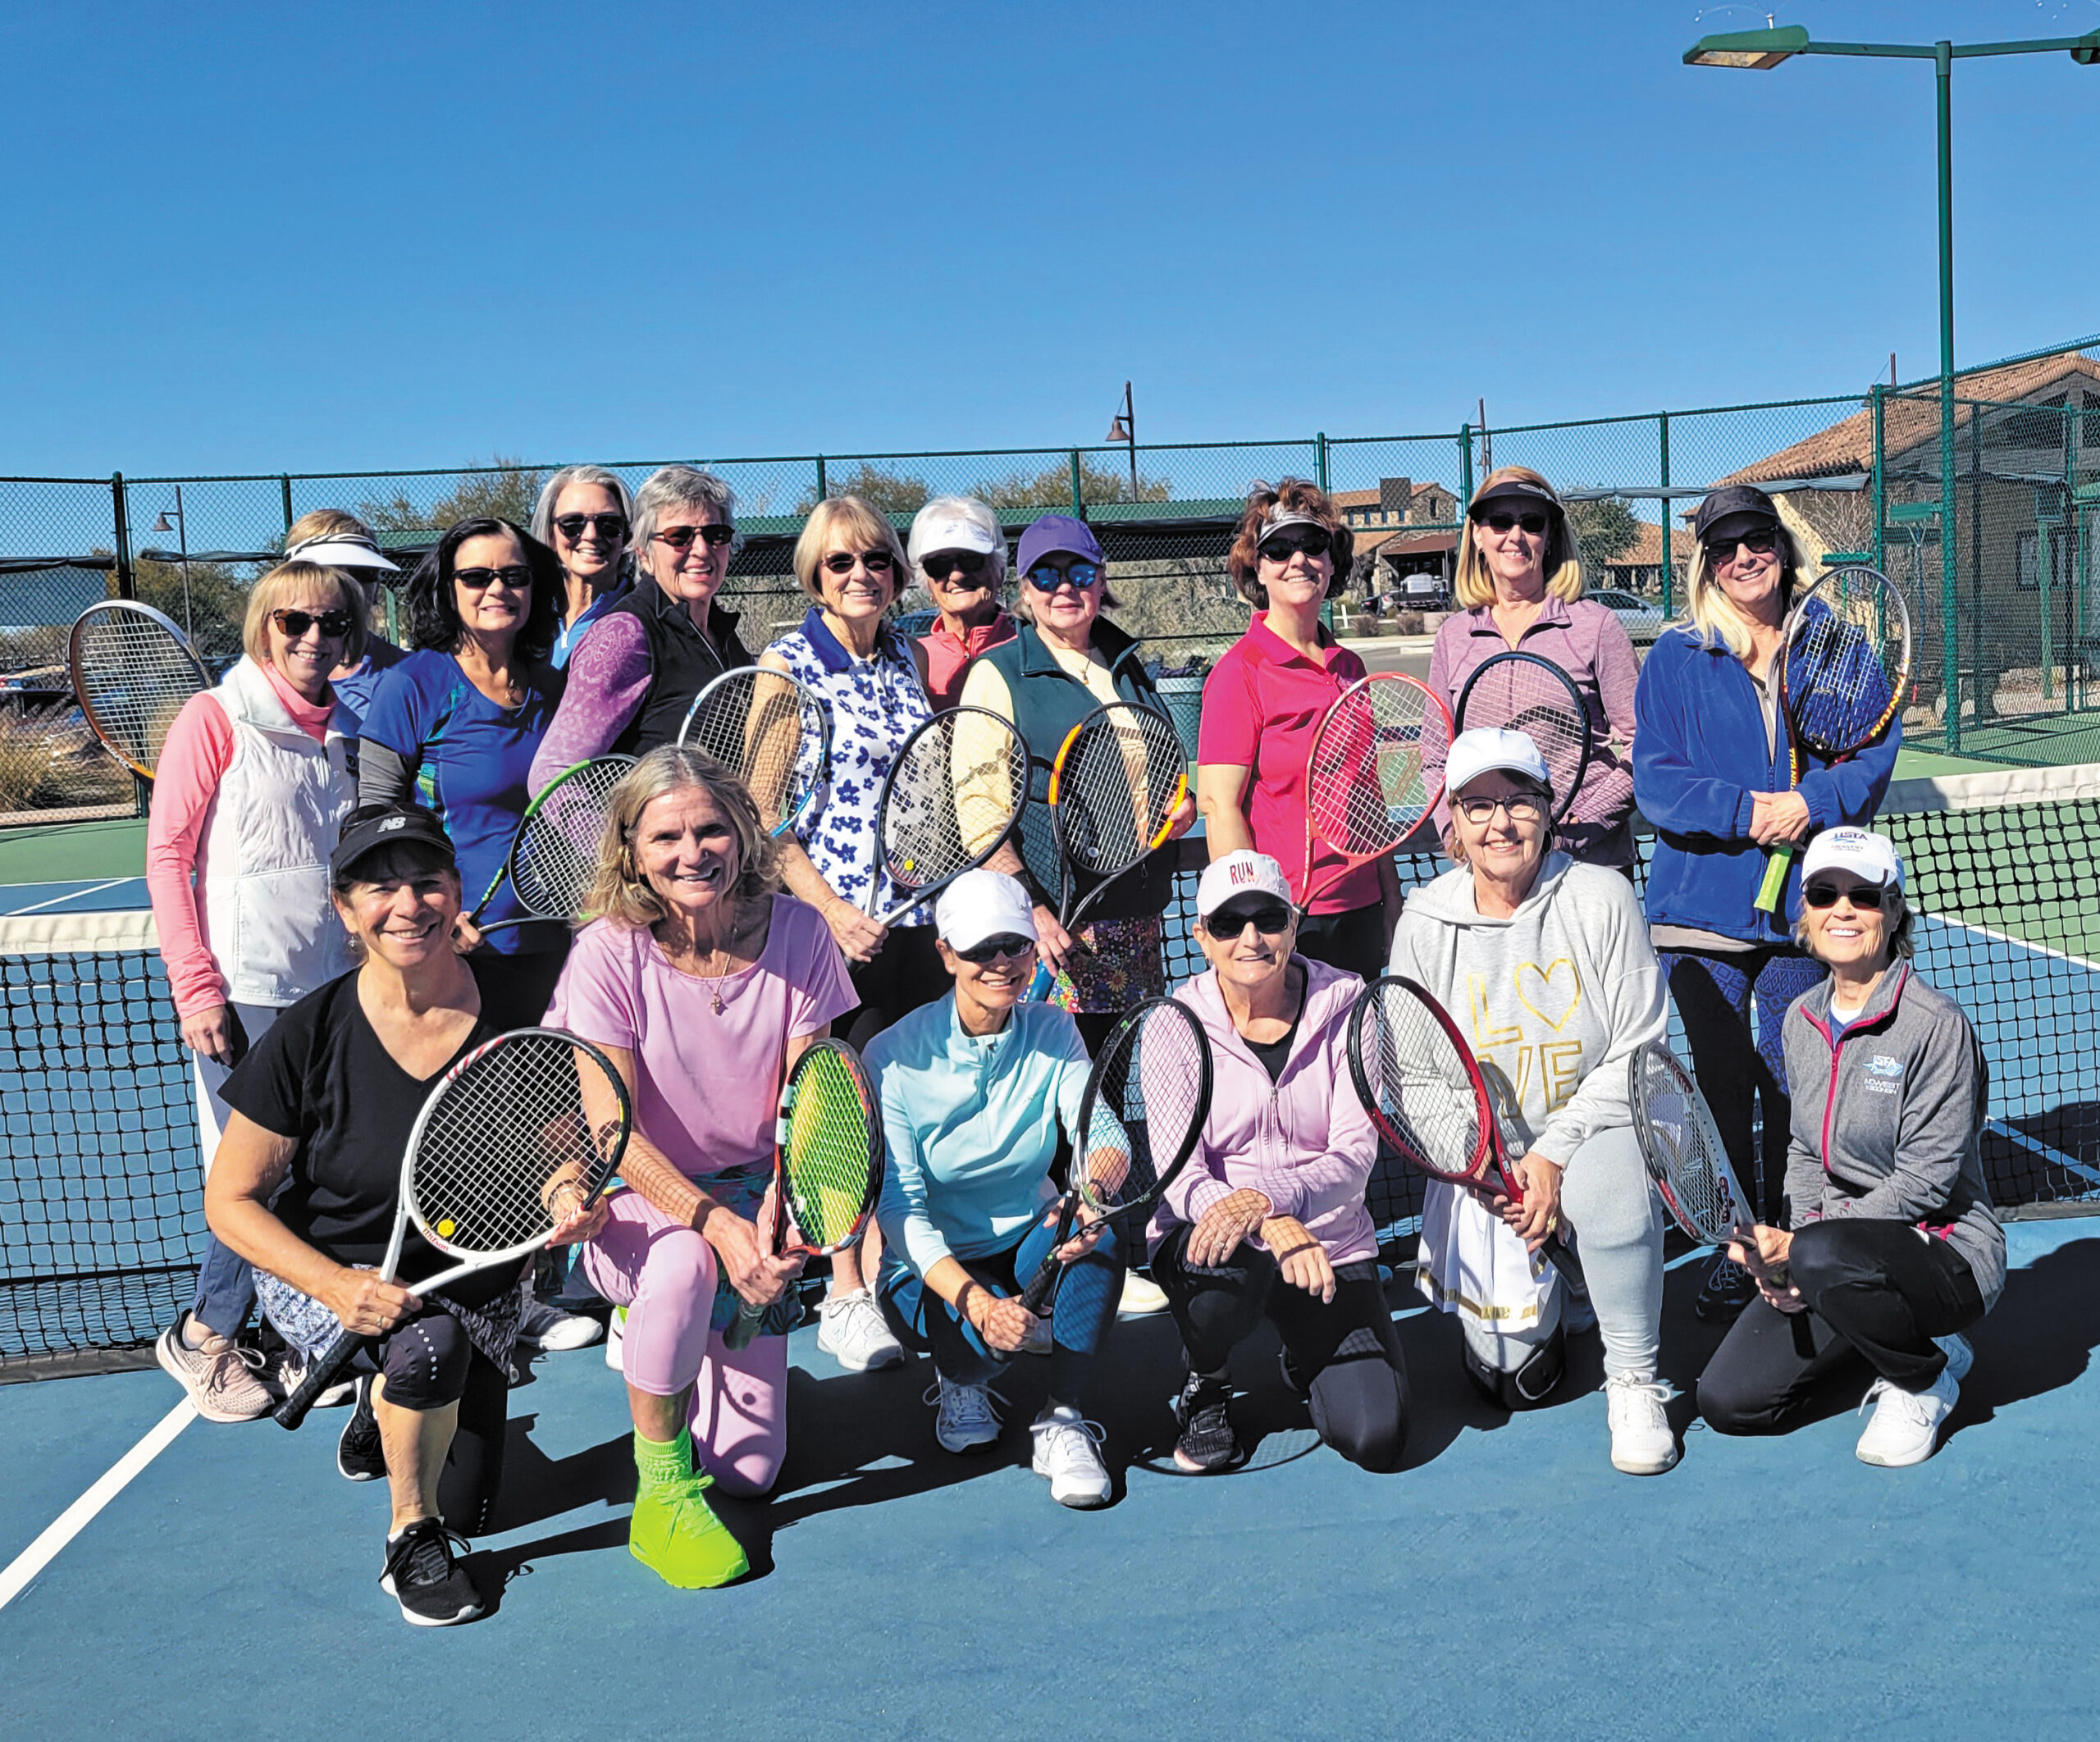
(1368, 785)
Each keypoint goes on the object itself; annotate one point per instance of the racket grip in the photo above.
(1776, 862)
(1803, 1338)
(743, 1327)
(1039, 988)
(334, 1362)
(1041, 1286)
(1565, 1261)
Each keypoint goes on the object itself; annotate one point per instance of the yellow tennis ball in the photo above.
(444, 1227)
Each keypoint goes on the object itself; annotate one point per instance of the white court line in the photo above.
(69, 1524)
(77, 895)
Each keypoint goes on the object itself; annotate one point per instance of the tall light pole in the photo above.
(1760, 51)
(1124, 428)
(181, 531)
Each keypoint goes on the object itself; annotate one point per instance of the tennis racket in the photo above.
(1521, 692)
(1143, 1109)
(1366, 786)
(554, 856)
(1117, 780)
(132, 670)
(827, 1163)
(1843, 667)
(521, 1133)
(952, 797)
(1427, 1096)
(770, 730)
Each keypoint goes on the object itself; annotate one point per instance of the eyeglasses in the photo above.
(1047, 577)
(969, 564)
(1867, 897)
(1519, 807)
(681, 538)
(875, 561)
(518, 577)
(333, 624)
(1270, 919)
(1280, 547)
(1720, 550)
(1008, 946)
(608, 527)
(1501, 520)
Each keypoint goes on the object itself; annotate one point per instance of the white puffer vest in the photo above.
(263, 864)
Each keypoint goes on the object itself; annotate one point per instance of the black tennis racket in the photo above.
(1522, 692)
(950, 801)
(520, 1134)
(132, 670)
(770, 730)
(1117, 782)
(1143, 1107)
(553, 859)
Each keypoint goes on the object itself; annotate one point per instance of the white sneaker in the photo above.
(615, 1335)
(850, 1329)
(548, 1327)
(1641, 1442)
(1141, 1295)
(1040, 1341)
(968, 1420)
(1065, 1452)
(1905, 1426)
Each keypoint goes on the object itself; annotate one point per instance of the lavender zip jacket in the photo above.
(1304, 1141)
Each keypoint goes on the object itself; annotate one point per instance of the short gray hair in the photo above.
(543, 510)
(682, 486)
(977, 513)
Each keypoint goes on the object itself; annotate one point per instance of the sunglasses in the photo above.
(518, 577)
(1047, 577)
(875, 561)
(1280, 547)
(1519, 807)
(1501, 520)
(1720, 550)
(333, 624)
(681, 538)
(1007, 945)
(1270, 919)
(1867, 897)
(608, 527)
(943, 563)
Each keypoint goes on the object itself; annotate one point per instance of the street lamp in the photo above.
(1759, 51)
(181, 531)
(1124, 428)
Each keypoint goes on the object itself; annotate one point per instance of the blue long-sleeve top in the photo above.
(1699, 755)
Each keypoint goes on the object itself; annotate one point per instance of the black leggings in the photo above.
(1878, 1292)
(1345, 1351)
(428, 1363)
(1354, 941)
(906, 974)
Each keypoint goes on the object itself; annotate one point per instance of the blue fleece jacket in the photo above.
(1698, 756)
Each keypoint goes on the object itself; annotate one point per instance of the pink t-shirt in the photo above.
(707, 1083)
(1263, 702)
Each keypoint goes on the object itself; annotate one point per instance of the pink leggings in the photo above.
(663, 1274)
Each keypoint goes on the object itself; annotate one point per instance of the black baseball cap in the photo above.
(371, 827)
(1732, 510)
(1514, 490)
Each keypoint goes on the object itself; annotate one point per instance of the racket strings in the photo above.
(1425, 1094)
(1520, 695)
(1119, 784)
(763, 727)
(1847, 660)
(1366, 786)
(953, 793)
(1148, 1097)
(133, 679)
(555, 860)
(829, 1160)
(1684, 1145)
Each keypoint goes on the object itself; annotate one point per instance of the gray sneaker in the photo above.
(224, 1380)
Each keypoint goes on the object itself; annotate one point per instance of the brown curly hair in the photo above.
(1244, 561)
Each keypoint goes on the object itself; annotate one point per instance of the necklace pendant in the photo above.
(718, 1003)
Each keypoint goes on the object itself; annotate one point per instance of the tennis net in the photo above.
(101, 1225)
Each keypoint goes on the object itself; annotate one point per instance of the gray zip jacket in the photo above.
(1886, 1119)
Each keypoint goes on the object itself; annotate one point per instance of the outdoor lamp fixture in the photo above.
(1759, 51)
(1125, 429)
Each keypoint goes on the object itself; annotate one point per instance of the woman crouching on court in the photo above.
(975, 1088)
(306, 1182)
(1545, 964)
(703, 983)
(1895, 1249)
(1268, 1216)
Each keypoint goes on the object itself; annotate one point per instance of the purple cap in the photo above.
(1055, 535)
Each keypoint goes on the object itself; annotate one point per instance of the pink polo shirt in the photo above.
(947, 655)
(1263, 702)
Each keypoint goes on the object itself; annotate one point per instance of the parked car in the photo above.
(1642, 618)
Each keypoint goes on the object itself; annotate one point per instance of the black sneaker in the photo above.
(423, 1576)
(1207, 1443)
(1727, 1289)
(358, 1454)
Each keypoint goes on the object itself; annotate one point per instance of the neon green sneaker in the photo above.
(675, 1532)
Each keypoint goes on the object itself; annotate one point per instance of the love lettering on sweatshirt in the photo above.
(1537, 1001)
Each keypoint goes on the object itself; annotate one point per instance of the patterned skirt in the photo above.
(1119, 963)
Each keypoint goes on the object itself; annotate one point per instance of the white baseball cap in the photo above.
(341, 550)
(1474, 753)
(942, 530)
(1870, 857)
(983, 904)
(1242, 872)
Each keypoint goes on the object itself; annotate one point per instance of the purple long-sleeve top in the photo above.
(609, 678)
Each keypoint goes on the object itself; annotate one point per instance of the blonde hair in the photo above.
(1713, 614)
(283, 582)
(326, 523)
(848, 517)
(619, 891)
(1475, 585)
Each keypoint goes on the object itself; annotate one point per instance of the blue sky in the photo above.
(312, 237)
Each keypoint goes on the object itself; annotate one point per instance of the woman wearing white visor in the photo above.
(336, 540)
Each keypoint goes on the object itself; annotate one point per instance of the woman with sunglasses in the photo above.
(974, 1091)
(1544, 964)
(253, 781)
(959, 553)
(1712, 767)
(582, 516)
(633, 678)
(1262, 703)
(1268, 1219)
(1067, 660)
(1895, 1250)
(1520, 581)
(336, 539)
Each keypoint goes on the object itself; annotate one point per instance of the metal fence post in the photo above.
(127, 587)
(1320, 459)
(286, 481)
(1669, 503)
(1465, 467)
(1880, 487)
(822, 489)
(1078, 496)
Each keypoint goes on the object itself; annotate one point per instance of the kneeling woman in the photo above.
(305, 1184)
(1895, 1249)
(703, 984)
(1545, 966)
(1268, 1216)
(974, 1090)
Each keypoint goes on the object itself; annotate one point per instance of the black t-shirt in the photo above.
(322, 1076)
(1274, 1055)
